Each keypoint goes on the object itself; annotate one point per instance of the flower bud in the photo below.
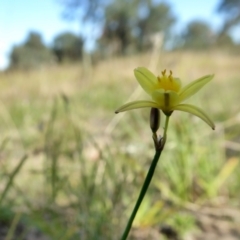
(154, 119)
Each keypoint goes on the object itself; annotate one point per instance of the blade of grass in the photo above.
(13, 226)
(11, 178)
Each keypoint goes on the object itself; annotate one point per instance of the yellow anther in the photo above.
(164, 72)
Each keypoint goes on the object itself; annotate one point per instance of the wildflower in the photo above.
(167, 94)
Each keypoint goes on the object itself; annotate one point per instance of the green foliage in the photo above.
(229, 6)
(68, 180)
(130, 24)
(34, 40)
(68, 47)
(158, 18)
(127, 25)
(86, 10)
(198, 35)
(231, 10)
(117, 27)
(224, 40)
(31, 54)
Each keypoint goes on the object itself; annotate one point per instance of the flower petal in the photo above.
(135, 105)
(165, 99)
(146, 79)
(195, 111)
(194, 87)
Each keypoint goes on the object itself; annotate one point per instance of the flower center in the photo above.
(168, 83)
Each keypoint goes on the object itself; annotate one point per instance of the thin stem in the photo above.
(146, 182)
(11, 178)
(142, 193)
(165, 129)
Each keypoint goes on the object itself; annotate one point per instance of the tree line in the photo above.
(127, 27)
(33, 53)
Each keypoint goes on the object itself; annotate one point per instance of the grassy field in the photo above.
(72, 169)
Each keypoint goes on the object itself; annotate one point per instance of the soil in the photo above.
(211, 224)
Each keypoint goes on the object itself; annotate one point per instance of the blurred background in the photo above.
(72, 169)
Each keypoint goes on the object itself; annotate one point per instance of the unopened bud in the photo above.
(154, 119)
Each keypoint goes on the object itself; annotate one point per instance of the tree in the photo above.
(118, 20)
(34, 40)
(125, 24)
(31, 54)
(68, 47)
(198, 35)
(158, 18)
(224, 40)
(84, 10)
(131, 22)
(231, 11)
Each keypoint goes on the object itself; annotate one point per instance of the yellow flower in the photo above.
(167, 94)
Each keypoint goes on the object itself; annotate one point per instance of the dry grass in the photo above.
(72, 79)
(86, 99)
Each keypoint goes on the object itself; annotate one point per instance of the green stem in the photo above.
(165, 129)
(11, 178)
(142, 193)
(147, 181)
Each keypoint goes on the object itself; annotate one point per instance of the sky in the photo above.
(19, 17)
